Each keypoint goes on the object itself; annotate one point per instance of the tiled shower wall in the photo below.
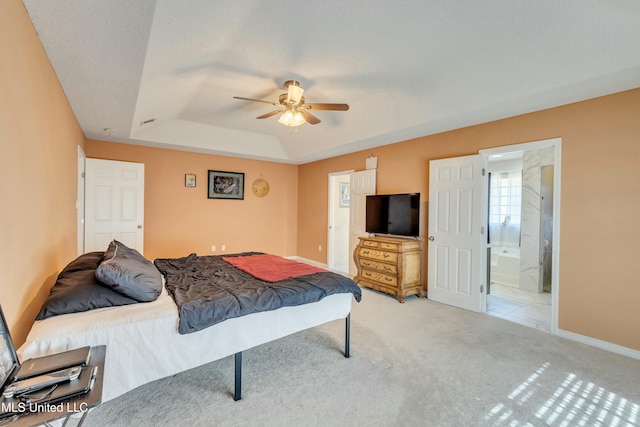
(531, 254)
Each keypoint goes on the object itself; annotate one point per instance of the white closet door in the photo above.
(362, 183)
(114, 204)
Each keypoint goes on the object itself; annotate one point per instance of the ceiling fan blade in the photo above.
(310, 118)
(255, 100)
(336, 107)
(265, 116)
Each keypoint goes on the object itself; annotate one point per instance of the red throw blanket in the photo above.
(271, 268)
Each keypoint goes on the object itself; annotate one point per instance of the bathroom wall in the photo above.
(546, 249)
(530, 268)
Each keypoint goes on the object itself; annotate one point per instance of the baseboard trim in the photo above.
(308, 261)
(317, 264)
(604, 345)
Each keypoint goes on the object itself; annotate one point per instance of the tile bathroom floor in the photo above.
(527, 308)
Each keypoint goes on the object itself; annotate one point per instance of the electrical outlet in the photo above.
(223, 248)
(213, 248)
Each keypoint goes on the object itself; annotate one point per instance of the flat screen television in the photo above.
(396, 214)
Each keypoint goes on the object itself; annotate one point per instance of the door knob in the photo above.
(432, 238)
(139, 225)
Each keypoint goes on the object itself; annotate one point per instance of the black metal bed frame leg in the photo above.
(238, 392)
(238, 358)
(347, 336)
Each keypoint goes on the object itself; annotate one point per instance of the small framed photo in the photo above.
(226, 185)
(345, 194)
(189, 179)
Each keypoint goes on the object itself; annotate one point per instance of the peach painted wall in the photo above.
(181, 220)
(600, 201)
(39, 139)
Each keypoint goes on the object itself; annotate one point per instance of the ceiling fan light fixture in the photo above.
(291, 118)
(298, 119)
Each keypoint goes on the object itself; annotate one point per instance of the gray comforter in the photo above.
(208, 290)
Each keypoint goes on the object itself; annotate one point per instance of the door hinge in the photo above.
(82, 174)
(481, 230)
(483, 171)
(481, 289)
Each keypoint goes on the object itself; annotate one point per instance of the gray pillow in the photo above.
(125, 271)
(77, 289)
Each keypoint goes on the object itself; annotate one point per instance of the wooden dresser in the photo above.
(389, 264)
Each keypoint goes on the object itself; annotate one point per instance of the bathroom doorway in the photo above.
(520, 236)
(338, 255)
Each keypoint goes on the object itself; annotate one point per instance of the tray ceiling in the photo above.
(406, 68)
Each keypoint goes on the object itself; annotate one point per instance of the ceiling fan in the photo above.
(293, 108)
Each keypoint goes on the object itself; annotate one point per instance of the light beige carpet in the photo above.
(415, 364)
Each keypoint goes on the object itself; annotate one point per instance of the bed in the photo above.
(144, 342)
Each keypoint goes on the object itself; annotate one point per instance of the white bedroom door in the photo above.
(362, 183)
(455, 232)
(114, 204)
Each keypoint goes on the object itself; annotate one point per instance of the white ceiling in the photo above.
(407, 68)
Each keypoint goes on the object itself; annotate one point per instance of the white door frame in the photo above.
(80, 200)
(556, 143)
(332, 205)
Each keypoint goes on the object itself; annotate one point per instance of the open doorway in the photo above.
(80, 200)
(520, 231)
(458, 245)
(338, 233)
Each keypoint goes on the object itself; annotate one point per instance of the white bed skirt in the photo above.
(143, 343)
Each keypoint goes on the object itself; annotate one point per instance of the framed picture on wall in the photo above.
(345, 194)
(226, 185)
(189, 179)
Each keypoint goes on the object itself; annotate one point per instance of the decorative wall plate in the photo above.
(260, 187)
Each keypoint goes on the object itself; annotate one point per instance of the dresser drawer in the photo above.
(387, 245)
(382, 245)
(369, 243)
(382, 278)
(380, 266)
(379, 255)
